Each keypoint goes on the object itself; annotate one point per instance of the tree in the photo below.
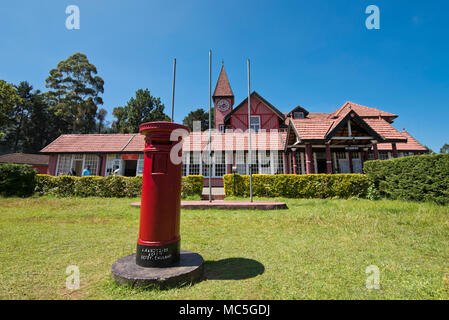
(139, 109)
(8, 99)
(101, 115)
(445, 148)
(20, 113)
(120, 125)
(76, 93)
(36, 132)
(144, 108)
(198, 115)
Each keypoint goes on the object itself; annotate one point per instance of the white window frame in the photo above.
(252, 123)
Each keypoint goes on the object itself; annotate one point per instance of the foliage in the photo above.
(75, 93)
(417, 178)
(445, 148)
(192, 185)
(107, 187)
(26, 131)
(17, 179)
(198, 115)
(143, 108)
(299, 186)
(8, 99)
(101, 116)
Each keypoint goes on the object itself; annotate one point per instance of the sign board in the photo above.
(352, 148)
(133, 156)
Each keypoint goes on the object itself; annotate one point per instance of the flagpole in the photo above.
(173, 95)
(249, 129)
(210, 125)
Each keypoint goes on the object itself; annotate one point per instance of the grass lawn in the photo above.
(317, 249)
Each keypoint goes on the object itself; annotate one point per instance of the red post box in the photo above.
(158, 244)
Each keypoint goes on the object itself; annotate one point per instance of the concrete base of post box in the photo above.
(188, 269)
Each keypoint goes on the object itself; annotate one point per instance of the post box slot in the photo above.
(161, 142)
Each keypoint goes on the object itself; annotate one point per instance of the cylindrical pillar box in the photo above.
(158, 244)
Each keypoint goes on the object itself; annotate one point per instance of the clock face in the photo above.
(223, 105)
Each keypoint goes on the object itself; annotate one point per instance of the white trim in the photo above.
(57, 164)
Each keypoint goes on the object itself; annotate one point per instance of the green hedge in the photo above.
(416, 178)
(110, 186)
(299, 186)
(17, 180)
(192, 186)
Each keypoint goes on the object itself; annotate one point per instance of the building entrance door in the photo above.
(321, 165)
(130, 168)
(78, 166)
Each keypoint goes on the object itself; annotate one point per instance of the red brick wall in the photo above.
(41, 169)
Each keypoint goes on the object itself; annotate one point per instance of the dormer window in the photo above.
(298, 115)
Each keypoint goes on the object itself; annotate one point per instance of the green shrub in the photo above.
(192, 185)
(299, 186)
(17, 179)
(416, 178)
(45, 184)
(88, 186)
(133, 187)
(107, 187)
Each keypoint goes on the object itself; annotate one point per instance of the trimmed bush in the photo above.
(299, 186)
(416, 178)
(192, 185)
(107, 187)
(45, 184)
(17, 180)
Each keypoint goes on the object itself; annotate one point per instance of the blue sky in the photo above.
(317, 54)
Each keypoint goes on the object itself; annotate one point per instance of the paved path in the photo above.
(221, 204)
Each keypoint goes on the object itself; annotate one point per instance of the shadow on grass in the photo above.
(232, 269)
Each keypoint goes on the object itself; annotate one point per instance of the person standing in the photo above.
(86, 171)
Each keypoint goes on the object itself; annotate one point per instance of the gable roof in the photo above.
(223, 88)
(300, 109)
(25, 158)
(362, 111)
(323, 127)
(255, 94)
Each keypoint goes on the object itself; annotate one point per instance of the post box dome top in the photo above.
(158, 126)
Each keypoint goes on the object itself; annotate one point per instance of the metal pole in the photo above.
(249, 129)
(173, 96)
(210, 125)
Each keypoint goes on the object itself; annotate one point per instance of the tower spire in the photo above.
(223, 88)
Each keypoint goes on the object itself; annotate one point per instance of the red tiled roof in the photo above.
(25, 158)
(411, 145)
(319, 128)
(79, 143)
(196, 141)
(223, 88)
(362, 111)
(312, 129)
(386, 130)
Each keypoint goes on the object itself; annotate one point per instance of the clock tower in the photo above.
(223, 99)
